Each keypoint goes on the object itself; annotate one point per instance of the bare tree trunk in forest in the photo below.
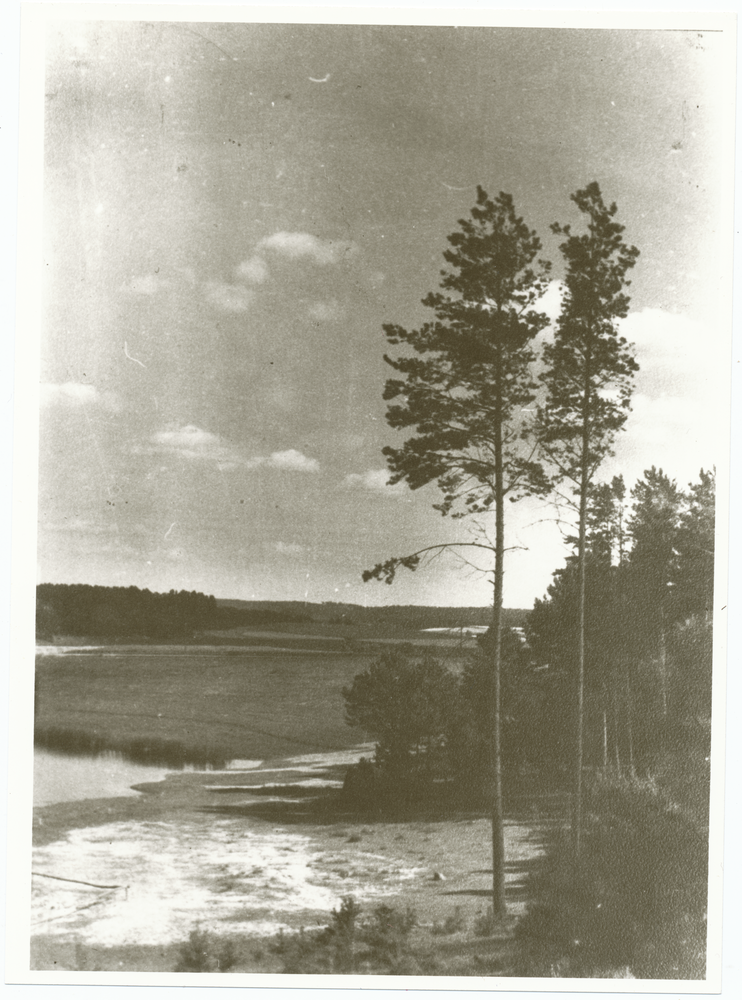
(581, 560)
(498, 841)
(616, 728)
(663, 663)
(629, 721)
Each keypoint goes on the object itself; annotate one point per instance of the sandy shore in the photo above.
(244, 854)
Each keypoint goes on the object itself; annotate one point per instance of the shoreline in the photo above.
(202, 849)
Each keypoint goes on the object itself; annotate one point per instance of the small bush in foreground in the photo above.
(202, 953)
(485, 924)
(378, 945)
(453, 924)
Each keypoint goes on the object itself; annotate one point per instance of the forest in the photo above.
(611, 696)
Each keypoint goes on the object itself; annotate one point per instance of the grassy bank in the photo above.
(635, 904)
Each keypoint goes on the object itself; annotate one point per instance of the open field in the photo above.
(214, 703)
(247, 706)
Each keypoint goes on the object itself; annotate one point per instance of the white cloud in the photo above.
(73, 394)
(296, 245)
(79, 526)
(678, 434)
(189, 437)
(679, 419)
(291, 461)
(289, 548)
(253, 269)
(228, 298)
(193, 443)
(376, 480)
(676, 354)
(325, 312)
(196, 444)
(144, 284)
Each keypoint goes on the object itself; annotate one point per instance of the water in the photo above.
(66, 778)
(74, 777)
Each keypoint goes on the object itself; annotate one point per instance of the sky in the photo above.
(232, 211)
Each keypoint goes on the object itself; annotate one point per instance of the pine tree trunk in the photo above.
(498, 842)
(663, 663)
(616, 728)
(629, 722)
(581, 563)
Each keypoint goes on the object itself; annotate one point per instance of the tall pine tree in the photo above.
(588, 380)
(462, 394)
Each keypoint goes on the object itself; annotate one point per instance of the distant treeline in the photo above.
(130, 613)
(410, 617)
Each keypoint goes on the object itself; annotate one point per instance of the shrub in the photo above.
(485, 924)
(637, 899)
(344, 933)
(386, 936)
(202, 953)
(379, 945)
(363, 784)
(408, 707)
(453, 924)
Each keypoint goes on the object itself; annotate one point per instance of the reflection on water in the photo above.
(68, 778)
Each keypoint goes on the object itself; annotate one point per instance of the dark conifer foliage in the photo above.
(121, 612)
(692, 576)
(648, 636)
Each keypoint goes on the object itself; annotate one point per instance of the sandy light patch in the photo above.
(222, 874)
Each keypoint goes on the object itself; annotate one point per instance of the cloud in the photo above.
(290, 461)
(144, 284)
(676, 354)
(190, 437)
(195, 444)
(289, 548)
(679, 434)
(325, 312)
(253, 269)
(551, 301)
(296, 245)
(74, 394)
(228, 298)
(678, 418)
(376, 480)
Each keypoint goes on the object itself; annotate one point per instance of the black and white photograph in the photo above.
(381, 372)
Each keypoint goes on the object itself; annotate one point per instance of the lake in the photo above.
(67, 778)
